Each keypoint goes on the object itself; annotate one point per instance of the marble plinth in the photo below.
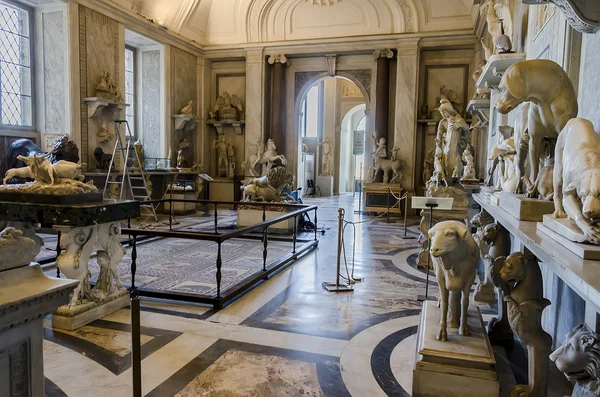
(80, 315)
(487, 191)
(182, 208)
(495, 198)
(525, 209)
(325, 184)
(248, 216)
(461, 366)
(566, 233)
(26, 296)
(221, 190)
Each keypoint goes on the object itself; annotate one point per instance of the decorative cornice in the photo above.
(383, 53)
(323, 2)
(583, 15)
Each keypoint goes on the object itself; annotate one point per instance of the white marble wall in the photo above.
(54, 87)
(589, 86)
(184, 88)
(150, 92)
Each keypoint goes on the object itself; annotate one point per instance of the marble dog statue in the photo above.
(577, 176)
(579, 359)
(520, 279)
(553, 101)
(454, 255)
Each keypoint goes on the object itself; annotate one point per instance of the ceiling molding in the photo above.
(185, 11)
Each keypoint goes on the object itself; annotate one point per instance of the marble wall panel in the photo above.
(54, 75)
(184, 88)
(589, 94)
(150, 101)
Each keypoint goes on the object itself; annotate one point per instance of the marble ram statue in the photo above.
(552, 98)
(577, 177)
(454, 254)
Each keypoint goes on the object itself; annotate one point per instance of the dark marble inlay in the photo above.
(381, 362)
(52, 390)
(110, 360)
(328, 368)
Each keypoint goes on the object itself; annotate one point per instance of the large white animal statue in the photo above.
(268, 187)
(577, 177)
(553, 101)
(40, 168)
(454, 254)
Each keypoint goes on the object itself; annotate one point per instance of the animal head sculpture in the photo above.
(587, 189)
(513, 268)
(64, 149)
(481, 219)
(446, 236)
(490, 232)
(512, 89)
(579, 358)
(279, 177)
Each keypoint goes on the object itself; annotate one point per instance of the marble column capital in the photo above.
(383, 53)
(278, 59)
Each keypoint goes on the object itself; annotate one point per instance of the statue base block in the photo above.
(487, 191)
(525, 209)
(566, 233)
(461, 366)
(495, 198)
(325, 183)
(485, 293)
(80, 315)
(248, 216)
(222, 190)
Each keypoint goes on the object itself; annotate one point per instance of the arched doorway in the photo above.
(321, 116)
(351, 165)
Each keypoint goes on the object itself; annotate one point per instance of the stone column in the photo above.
(405, 123)
(279, 63)
(382, 93)
(255, 76)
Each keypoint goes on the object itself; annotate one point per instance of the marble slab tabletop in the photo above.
(74, 215)
(582, 275)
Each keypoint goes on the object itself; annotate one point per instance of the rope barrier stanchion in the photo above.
(337, 287)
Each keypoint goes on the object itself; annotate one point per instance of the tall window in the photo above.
(130, 90)
(16, 105)
(360, 159)
(310, 112)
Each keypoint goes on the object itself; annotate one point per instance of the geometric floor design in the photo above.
(286, 337)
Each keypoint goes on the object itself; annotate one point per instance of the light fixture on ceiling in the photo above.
(323, 2)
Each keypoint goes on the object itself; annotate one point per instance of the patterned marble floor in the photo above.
(286, 337)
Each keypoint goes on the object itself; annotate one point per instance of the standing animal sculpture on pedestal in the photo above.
(553, 101)
(263, 157)
(520, 279)
(393, 165)
(579, 359)
(577, 177)
(454, 254)
(480, 221)
(495, 12)
(544, 182)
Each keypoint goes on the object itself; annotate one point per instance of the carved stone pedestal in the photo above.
(525, 209)
(248, 215)
(325, 184)
(461, 366)
(565, 232)
(26, 296)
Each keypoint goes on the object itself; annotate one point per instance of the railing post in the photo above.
(219, 264)
(136, 348)
(295, 233)
(216, 219)
(316, 224)
(265, 242)
(264, 213)
(58, 251)
(171, 210)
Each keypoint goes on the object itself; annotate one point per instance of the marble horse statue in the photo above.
(454, 254)
(266, 158)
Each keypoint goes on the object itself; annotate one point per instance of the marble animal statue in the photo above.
(187, 109)
(579, 359)
(454, 254)
(544, 183)
(497, 241)
(521, 139)
(552, 100)
(21, 147)
(503, 43)
(77, 247)
(481, 93)
(520, 279)
(393, 166)
(102, 159)
(268, 187)
(17, 248)
(21, 173)
(266, 158)
(439, 172)
(64, 149)
(577, 177)
(469, 168)
(503, 155)
(228, 107)
(41, 168)
(480, 221)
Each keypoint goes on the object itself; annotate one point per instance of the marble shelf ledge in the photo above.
(583, 15)
(480, 108)
(182, 121)
(495, 68)
(220, 126)
(581, 275)
(97, 106)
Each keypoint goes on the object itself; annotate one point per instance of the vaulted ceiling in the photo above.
(230, 22)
